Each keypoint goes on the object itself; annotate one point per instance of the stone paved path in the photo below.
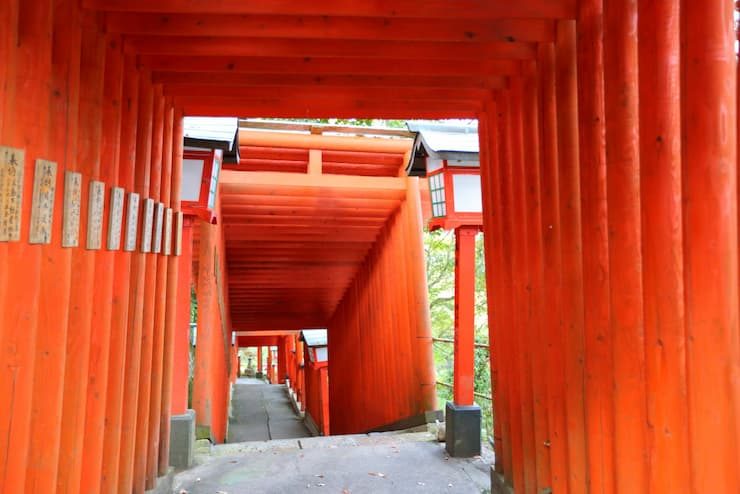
(261, 412)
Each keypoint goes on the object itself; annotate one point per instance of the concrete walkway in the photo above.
(261, 412)
(375, 463)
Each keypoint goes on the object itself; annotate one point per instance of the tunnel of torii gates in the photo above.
(608, 138)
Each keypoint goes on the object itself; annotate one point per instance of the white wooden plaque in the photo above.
(71, 212)
(158, 219)
(167, 247)
(146, 225)
(178, 234)
(95, 210)
(11, 193)
(132, 222)
(42, 207)
(115, 219)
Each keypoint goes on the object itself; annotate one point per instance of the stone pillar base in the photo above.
(182, 440)
(164, 483)
(462, 426)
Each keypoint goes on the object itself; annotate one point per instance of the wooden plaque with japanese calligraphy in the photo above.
(178, 234)
(167, 247)
(115, 219)
(158, 219)
(71, 212)
(132, 222)
(146, 225)
(42, 207)
(11, 193)
(95, 209)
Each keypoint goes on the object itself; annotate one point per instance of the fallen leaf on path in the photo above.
(377, 474)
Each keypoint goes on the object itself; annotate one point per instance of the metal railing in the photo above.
(484, 346)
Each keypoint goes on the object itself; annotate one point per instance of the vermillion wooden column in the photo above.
(269, 365)
(150, 300)
(598, 336)
(153, 439)
(92, 68)
(21, 271)
(106, 262)
(710, 239)
(464, 361)
(53, 311)
(137, 289)
(571, 251)
(662, 240)
(625, 244)
(121, 288)
(259, 360)
(206, 352)
(181, 357)
(177, 317)
(282, 360)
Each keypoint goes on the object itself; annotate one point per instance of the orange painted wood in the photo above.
(151, 299)
(472, 9)
(22, 266)
(340, 83)
(662, 240)
(355, 66)
(121, 288)
(286, 47)
(710, 236)
(625, 245)
(554, 332)
(533, 211)
(312, 141)
(522, 301)
(275, 26)
(87, 162)
(48, 384)
(513, 455)
(571, 245)
(464, 356)
(599, 342)
(181, 362)
(154, 438)
(356, 108)
(105, 266)
(136, 317)
(489, 148)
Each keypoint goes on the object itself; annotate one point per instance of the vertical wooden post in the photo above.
(121, 287)
(105, 266)
(522, 299)
(259, 360)
(49, 377)
(464, 361)
(554, 334)
(137, 288)
(177, 318)
(572, 310)
(710, 239)
(625, 244)
(21, 272)
(662, 240)
(315, 161)
(536, 334)
(151, 261)
(269, 365)
(158, 349)
(206, 352)
(83, 262)
(181, 357)
(599, 359)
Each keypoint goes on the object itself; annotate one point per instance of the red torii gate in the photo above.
(609, 162)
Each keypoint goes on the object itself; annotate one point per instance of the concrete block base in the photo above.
(462, 425)
(182, 440)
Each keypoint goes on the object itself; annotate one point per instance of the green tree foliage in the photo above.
(440, 256)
